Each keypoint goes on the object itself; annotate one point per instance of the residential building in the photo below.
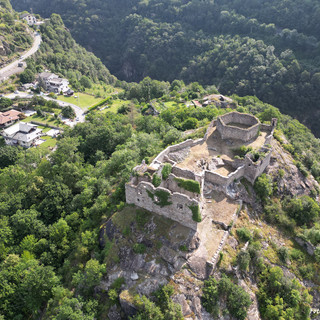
(30, 18)
(7, 118)
(23, 134)
(52, 82)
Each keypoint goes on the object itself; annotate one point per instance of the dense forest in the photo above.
(52, 207)
(55, 204)
(265, 48)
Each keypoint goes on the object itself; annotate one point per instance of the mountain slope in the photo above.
(15, 36)
(205, 41)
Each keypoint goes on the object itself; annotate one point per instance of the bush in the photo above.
(139, 248)
(166, 170)
(263, 187)
(142, 218)
(196, 215)
(242, 151)
(189, 185)
(283, 254)
(243, 260)
(237, 300)
(156, 180)
(190, 123)
(303, 210)
(244, 234)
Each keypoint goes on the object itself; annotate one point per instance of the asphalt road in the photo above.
(13, 68)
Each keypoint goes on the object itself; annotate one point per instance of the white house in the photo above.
(30, 18)
(53, 82)
(23, 134)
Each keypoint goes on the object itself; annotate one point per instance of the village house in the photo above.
(8, 118)
(53, 83)
(22, 134)
(30, 18)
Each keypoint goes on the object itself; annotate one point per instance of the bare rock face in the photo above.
(293, 182)
(114, 313)
(127, 304)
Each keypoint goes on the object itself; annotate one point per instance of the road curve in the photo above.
(13, 68)
(78, 111)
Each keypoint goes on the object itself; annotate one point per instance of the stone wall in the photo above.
(186, 174)
(178, 210)
(254, 169)
(173, 186)
(233, 132)
(223, 181)
(185, 144)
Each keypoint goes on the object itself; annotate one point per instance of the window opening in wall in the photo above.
(179, 206)
(138, 200)
(139, 192)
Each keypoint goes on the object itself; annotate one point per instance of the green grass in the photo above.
(83, 100)
(49, 143)
(115, 105)
(170, 104)
(103, 90)
(45, 121)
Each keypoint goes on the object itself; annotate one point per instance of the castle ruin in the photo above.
(180, 181)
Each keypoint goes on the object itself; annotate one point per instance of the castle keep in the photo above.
(180, 181)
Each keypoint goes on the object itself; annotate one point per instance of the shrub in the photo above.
(183, 248)
(244, 234)
(166, 170)
(236, 299)
(263, 187)
(156, 180)
(283, 254)
(142, 218)
(242, 151)
(139, 248)
(189, 185)
(303, 210)
(160, 197)
(196, 215)
(243, 260)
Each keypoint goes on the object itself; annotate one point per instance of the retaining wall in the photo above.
(178, 210)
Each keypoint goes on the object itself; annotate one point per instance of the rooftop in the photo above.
(8, 116)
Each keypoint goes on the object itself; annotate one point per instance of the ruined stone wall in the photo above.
(186, 174)
(223, 181)
(185, 144)
(178, 210)
(254, 169)
(233, 132)
(172, 184)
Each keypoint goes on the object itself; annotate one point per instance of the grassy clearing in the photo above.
(49, 143)
(80, 99)
(115, 105)
(49, 120)
(103, 90)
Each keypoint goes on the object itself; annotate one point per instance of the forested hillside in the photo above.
(15, 36)
(61, 54)
(265, 48)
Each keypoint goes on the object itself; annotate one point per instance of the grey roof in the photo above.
(46, 75)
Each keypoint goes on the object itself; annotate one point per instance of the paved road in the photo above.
(80, 117)
(13, 68)
(78, 111)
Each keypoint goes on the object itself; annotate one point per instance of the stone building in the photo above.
(182, 177)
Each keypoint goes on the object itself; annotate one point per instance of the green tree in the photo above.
(27, 76)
